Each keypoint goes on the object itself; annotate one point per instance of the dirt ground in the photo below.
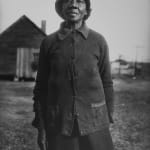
(131, 130)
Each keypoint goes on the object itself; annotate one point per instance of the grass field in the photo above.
(131, 130)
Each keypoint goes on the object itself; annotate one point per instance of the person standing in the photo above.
(73, 94)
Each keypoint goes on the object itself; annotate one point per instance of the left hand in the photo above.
(41, 140)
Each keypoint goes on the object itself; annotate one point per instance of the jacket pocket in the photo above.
(100, 115)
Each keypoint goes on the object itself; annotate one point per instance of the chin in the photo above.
(73, 20)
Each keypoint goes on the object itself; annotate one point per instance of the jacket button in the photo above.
(81, 132)
(77, 114)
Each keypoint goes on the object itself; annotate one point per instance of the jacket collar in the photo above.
(64, 31)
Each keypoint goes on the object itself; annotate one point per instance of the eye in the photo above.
(81, 1)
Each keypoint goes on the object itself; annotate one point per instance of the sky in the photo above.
(125, 24)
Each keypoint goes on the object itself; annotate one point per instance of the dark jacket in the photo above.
(74, 81)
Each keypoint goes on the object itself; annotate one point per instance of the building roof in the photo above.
(20, 20)
(121, 61)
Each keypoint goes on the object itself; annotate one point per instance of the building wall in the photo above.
(20, 35)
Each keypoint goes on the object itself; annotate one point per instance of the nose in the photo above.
(73, 3)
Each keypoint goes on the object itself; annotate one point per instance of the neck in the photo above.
(74, 25)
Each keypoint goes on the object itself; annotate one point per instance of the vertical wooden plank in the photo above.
(23, 64)
(25, 61)
(27, 75)
(30, 62)
(17, 64)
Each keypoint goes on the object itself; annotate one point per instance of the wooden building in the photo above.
(122, 67)
(19, 48)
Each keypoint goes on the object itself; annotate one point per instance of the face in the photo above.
(74, 10)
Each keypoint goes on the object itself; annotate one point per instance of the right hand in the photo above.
(41, 140)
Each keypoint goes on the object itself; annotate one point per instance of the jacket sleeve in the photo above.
(105, 72)
(41, 86)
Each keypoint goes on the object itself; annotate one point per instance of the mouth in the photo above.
(72, 12)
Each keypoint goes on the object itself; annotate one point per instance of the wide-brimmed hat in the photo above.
(58, 7)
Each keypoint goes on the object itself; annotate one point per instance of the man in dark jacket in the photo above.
(73, 95)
